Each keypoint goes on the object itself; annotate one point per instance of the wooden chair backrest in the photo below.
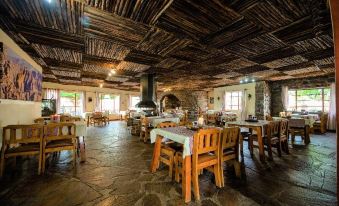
(97, 115)
(275, 127)
(144, 121)
(21, 134)
(299, 123)
(206, 141)
(283, 127)
(75, 119)
(59, 131)
(39, 120)
(230, 137)
(268, 118)
(167, 124)
(323, 118)
(65, 118)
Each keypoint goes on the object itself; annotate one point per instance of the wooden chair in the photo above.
(283, 135)
(39, 120)
(166, 151)
(65, 118)
(321, 124)
(211, 118)
(205, 156)
(145, 129)
(23, 140)
(59, 137)
(97, 118)
(297, 127)
(266, 138)
(269, 118)
(229, 151)
(277, 137)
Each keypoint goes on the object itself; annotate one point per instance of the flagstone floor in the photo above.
(117, 173)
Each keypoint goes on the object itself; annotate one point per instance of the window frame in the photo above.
(132, 107)
(239, 97)
(114, 110)
(315, 88)
(75, 100)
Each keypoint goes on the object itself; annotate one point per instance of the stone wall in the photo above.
(189, 100)
(263, 100)
(275, 87)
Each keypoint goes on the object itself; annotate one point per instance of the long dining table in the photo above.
(180, 135)
(258, 127)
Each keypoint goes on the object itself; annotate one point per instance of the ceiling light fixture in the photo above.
(247, 79)
(113, 71)
(101, 85)
(109, 74)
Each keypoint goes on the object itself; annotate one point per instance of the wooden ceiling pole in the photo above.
(334, 5)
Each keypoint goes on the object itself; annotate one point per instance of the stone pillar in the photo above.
(262, 100)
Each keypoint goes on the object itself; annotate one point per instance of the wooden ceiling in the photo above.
(189, 44)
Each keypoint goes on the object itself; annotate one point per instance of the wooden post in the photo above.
(334, 6)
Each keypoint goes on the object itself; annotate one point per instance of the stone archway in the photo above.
(169, 101)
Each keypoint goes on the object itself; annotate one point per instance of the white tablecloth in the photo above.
(308, 121)
(81, 128)
(155, 121)
(260, 123)
(181, 135)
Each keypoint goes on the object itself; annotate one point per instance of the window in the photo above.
(311, 100)
(110, 102)
(133, 101)
(233, 100)
(71, 103)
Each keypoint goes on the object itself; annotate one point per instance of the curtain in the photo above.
(97, 101)
(223, 102)
(83, 99)
(332, 113)
(53, 94)
(284, 97)
(244, 105)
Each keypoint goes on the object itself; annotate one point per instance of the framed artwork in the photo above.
(211, 100)
(19, 80)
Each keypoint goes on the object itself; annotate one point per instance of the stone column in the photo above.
(262, 100)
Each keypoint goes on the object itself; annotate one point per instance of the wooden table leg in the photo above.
(82, 149)
(156, 153)
(261, 144)
(307, 134)
(186, 179)
(87, 121)
(241, 149)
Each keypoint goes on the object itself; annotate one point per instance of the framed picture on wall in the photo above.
(211, 100)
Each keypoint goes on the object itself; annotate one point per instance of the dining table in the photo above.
(258, 127)
(307, 126)
(154, 121)
(180, 135)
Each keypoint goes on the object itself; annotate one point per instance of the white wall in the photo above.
(15, 111)
(220, 92)
(90, 92)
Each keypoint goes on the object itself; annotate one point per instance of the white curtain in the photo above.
(284, 97)
(53, 94)
(331, 125)
(244, 105)
(97, 101)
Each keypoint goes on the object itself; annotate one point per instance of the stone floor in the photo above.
(117, 173)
